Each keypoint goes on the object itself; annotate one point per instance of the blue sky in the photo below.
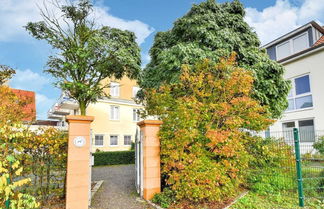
(269, 18)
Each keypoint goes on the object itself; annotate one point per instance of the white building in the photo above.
(301, 52)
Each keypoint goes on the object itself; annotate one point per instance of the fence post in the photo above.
(298, 169)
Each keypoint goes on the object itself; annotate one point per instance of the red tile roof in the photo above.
(319, 41)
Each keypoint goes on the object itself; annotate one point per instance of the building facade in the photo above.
(116, 117)
(301, 52)
(30, 108)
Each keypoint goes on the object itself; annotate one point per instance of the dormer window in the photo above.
(114, 89)
(300, 43)
(283, 50)
(292, 46)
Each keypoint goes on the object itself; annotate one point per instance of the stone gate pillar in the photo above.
(151, 157)
(78, 180)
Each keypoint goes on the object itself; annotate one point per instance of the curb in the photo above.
(96, 187)
(153, 205)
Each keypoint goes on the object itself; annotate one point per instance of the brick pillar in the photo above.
(151, 158)
(78, 162)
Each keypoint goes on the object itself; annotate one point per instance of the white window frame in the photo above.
(137, 117)
(112, 113)
(112, 145)
(291, 45)
(292, 42)
(290, 50)
(130, 140)
(103, 140)
(114, 89)
(294, 96)
(296, 122)
(135, 90)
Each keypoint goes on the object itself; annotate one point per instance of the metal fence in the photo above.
(302, 166)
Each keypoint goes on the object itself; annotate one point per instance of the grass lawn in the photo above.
(275, 201)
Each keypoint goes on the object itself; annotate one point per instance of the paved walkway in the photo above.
(118, 190)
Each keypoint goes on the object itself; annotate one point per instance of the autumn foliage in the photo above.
(32, 163)
(13, 107)
(206, 117)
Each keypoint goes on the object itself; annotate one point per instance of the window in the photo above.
(292, 46)
(136, 115)
(113, 140)
(114, 89)
(300, 96)
(135, 90)
(306, 130)
(114, 113)
(98, 140)
(127, 140)
(283, 50)
(300, 43)
(287, 129)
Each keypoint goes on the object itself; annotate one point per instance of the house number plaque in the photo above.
(79, 141)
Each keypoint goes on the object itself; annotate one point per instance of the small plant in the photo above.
(321, 182)
(165, 198)
(319, 145)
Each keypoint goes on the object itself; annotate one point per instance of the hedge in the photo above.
(114, 158)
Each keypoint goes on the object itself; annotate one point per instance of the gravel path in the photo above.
(118, 190)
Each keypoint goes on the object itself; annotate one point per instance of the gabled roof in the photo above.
(292, 33)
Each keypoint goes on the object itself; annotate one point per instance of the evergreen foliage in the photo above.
(212, 30)
(114, 158)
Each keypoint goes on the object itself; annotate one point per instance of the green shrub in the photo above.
(114, 158)
(319, 145)
(202, 143)
(165, 198)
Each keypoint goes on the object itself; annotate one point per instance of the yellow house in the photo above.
(114, 127)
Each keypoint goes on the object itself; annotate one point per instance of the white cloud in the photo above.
(43, 104)
(28, 80)
(275, 21)
(146, 58)
(141, 30)
(14, 14)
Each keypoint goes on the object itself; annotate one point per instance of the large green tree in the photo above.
(212, 30)
(86, 53)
